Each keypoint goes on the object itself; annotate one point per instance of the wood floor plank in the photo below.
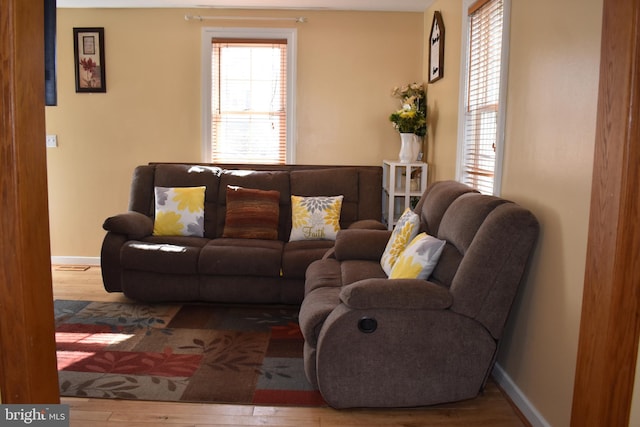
(491, 409)
(90, 415)
(84, 423)
(162, 419)
(116, 405)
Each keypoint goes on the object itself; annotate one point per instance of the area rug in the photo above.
(182, 352)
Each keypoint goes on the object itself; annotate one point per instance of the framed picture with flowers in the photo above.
(88, 48)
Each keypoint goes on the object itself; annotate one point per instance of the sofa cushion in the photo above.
(196, 242)
(298, 255)
(161, 257)
(251, 213)
(179, 211)
(418, 259)
(315, 218)
(356, 270)
(241, 257)
(323, 273)
(405, 230)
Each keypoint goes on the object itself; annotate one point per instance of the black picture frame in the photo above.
(436, 48)
(88, 49)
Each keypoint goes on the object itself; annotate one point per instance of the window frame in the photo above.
(209, 33)
(502, 97)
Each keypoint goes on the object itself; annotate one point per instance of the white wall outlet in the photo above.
(52, 141)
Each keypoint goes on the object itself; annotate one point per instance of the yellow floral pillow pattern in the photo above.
(419, 258)
(405, 230)
(179, 211)
(315, 218)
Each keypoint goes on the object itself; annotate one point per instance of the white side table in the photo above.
(401, 182)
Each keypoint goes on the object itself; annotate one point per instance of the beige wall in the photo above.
(550, 134)
(347, 64)
(443, 95)
(553, 83)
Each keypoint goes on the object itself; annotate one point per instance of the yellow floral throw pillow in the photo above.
(405, 230)
(419, 258)
(315, 218)
(179, 211)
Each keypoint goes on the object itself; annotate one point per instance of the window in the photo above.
(480, 141)
(248, 111)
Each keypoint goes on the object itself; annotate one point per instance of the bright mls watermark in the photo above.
(34, 415)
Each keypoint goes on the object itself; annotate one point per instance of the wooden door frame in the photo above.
(28, 368)
(610, 322)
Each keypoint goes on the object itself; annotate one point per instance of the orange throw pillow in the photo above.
(252, 213)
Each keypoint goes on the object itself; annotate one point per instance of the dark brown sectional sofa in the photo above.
(215, 268)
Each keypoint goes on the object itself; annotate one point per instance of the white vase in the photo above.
(408, 147)
(417, 148)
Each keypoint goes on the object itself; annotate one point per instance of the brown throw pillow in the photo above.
(251, 213)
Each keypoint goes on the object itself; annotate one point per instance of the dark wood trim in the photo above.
(28, 372)
(611, 303)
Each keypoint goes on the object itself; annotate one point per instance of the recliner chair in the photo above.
(371, 341)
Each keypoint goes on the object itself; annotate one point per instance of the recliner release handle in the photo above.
(367, 325)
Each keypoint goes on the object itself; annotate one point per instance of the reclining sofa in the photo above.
(146, 266)
(374, 341)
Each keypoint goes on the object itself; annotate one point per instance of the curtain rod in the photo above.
(244, 18)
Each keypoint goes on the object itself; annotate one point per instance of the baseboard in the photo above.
(75, 260)
(518, 398)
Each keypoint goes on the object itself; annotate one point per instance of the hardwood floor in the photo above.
(490, 409)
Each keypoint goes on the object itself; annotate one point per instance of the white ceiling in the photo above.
(377, 5)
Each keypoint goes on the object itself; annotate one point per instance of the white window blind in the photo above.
(482, 103)
(249, 100)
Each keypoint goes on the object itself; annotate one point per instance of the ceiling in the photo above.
(374, 5)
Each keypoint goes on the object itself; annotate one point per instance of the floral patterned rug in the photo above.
(182, 352)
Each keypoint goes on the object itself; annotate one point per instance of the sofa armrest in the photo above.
(403, 294)
(361, 244)
(380, 358)
(133, 224)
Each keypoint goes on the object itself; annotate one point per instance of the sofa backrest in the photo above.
(361, 187)
(436, 200)
(261, 180)
(489, 242)
(147, 177)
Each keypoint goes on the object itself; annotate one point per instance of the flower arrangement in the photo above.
(412, 117)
